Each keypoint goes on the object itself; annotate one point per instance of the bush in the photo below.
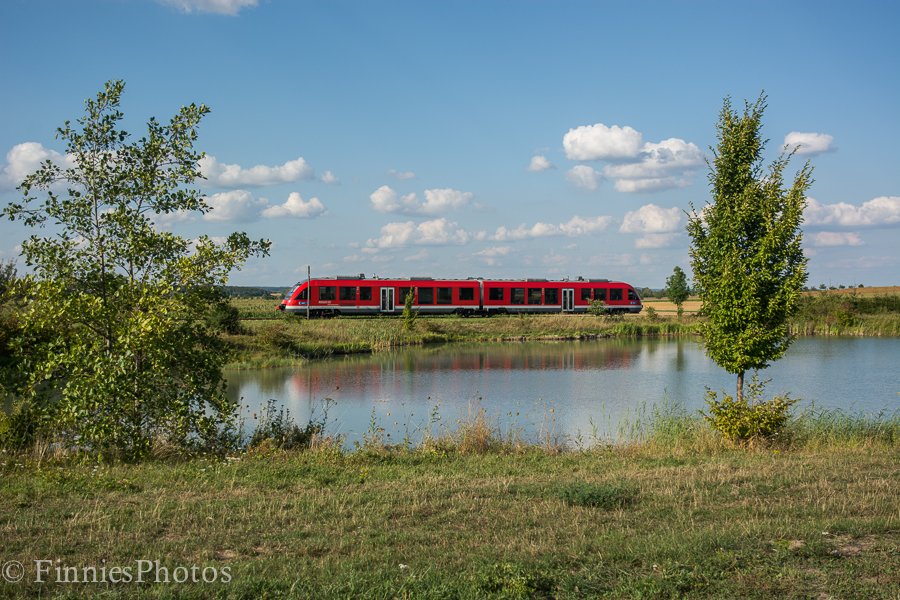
(651, 314)
(278, 429)
(752, 417)
(598, 308)
(225, 318)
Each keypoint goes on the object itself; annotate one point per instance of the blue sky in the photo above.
(493, 139)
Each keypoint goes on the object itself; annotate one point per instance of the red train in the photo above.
(356, 295)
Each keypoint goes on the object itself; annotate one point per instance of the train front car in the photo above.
(295, 300)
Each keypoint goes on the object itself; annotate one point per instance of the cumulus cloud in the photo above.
(399, 175)
(492, 256)
(232, 176)
(809, 143)
(657, 240)
(296, 207)
(237, 205)
(574, 227)
(614, 260)
(539, 164)
(599, 142)
(649, 259)
(329, 178)
(834, 238)
(436, 232)
(437, 201)
(660, 160)
(884, 210)
(585, 177)
(651, 218)
(420, 255)
(25, 159)
(637, 167)
(222, 7)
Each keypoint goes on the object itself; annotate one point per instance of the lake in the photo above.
(571, 386)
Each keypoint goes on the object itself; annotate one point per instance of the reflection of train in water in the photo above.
(356, 295)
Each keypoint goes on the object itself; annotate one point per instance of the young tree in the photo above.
(677, 289)
(113, 350)
(746, 254)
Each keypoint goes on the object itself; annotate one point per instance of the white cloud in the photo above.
(232, 176)
(353, 258)
(237, 205)
(810, 143)
(165, 221)
(614, 260)
(295, 207)
(491, 256)
(642, 186)
(576, 226)
(884, 210)
(329, 178)
(834, 238)
(436, 232)
(555, 259)
(649, 259)
(864, 262)
(585, 177)
(482, 208)
(437, 201)
(421, 255)
(25, 159)
(399, 175)
(657, 240)
(539, 164)
(671, 156)
(599, 142)
(222, 7)
(650, 218)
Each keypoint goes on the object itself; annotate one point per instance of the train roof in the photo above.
(361, 276)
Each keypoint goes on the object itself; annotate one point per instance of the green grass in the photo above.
(472, 512)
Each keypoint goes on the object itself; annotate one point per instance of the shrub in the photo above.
(278, 429)
(651, 314)
(598, 308)
(752, 417)
(409, 316)
(224, 317)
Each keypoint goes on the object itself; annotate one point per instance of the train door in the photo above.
(568, 300)
(387, 299)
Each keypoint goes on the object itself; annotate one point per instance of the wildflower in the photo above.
(402, 566)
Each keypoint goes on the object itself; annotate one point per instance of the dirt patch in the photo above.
(848, 546)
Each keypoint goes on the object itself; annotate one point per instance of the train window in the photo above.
(327, 292)
(495, 294)
(632, 295)
(426, 295)
(615, 294)
(600, 294)
(585, 294)
(534, 295)
(365, 293)
(401, 294)
(467, 294)
(551, 296)
(303, 294)
(291, 293)
(445, 295)
(347, 293)
(517, 295)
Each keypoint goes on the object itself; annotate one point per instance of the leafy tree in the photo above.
(409, 315)
(113, 333)
(677, 289)
(746, 254)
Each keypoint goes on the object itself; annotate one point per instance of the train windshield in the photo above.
(291, 293)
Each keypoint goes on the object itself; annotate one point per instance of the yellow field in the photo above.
(692, 305)
(888, 289)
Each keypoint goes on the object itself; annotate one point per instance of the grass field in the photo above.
(676, 513)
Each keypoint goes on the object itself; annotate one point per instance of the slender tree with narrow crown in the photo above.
(677, 289)
(113, 353)
(746, 253)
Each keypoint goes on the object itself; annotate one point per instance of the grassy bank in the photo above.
(471, 513)
(292, 340)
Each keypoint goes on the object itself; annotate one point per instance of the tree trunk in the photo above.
(740, 386)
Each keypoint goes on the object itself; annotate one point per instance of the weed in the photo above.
(607, 496)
